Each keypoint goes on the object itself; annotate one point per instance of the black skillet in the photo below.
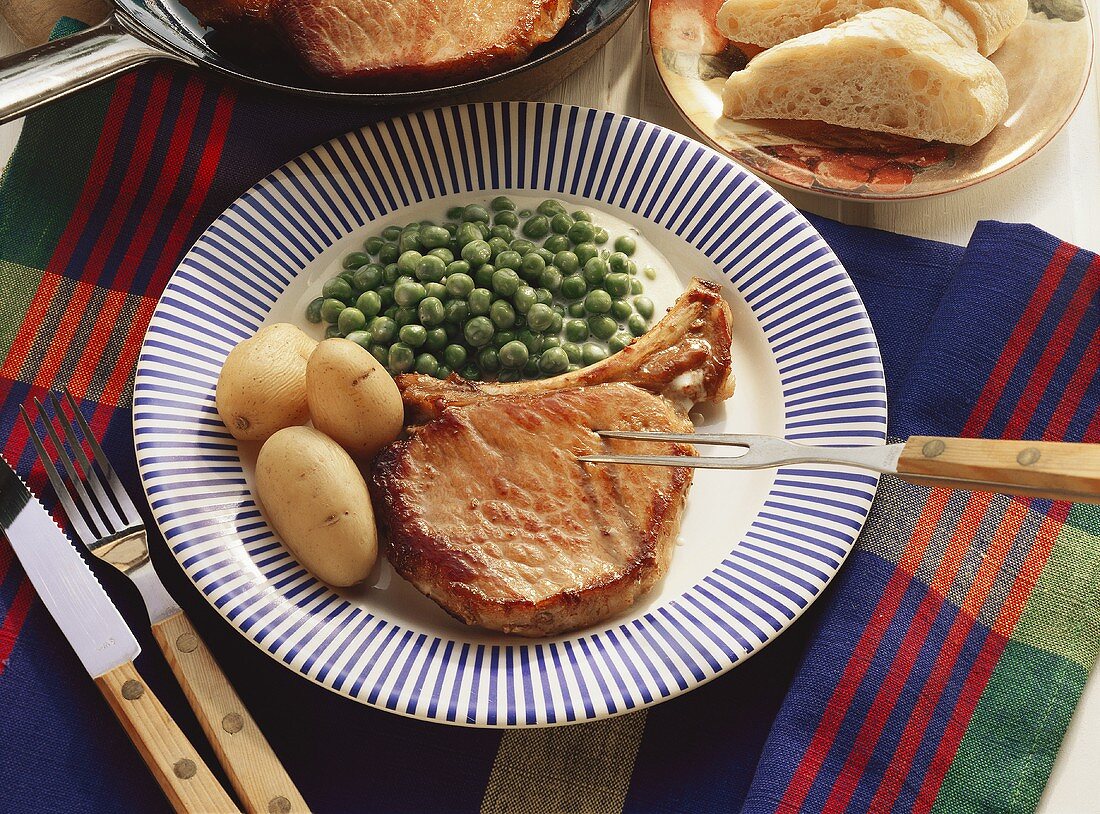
(143, 30)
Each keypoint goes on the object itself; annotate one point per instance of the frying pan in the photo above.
(143, 30)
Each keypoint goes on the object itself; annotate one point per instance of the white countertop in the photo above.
(1058, 190)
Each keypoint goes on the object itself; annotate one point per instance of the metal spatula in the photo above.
(1043, 469)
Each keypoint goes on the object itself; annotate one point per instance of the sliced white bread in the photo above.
(770, 22)
(992, 20)
(886, 70)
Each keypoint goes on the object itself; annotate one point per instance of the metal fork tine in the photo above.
(128, 507)
(76, 518)
(718, 439)
(92, 478)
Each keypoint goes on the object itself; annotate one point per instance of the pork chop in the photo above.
(394, 43)
(685, 357)
(489, 513)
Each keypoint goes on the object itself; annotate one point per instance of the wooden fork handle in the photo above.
(255, 772)
(1044, 469)
(179, 770)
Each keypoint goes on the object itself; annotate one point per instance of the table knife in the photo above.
(106, 647)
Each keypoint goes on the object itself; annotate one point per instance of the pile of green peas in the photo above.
(492, 293)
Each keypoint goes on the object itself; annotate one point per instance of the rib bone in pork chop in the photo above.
(398, 43)
(489, 512)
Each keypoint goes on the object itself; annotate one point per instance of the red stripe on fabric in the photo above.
(1079, 382)
(860, 660)
(988, 657)
(13, 622)
(901, 762)
(892, 685)
(24, 338)
(1019, 339)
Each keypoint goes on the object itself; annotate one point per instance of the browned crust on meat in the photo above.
(695, 335)
(434, 564)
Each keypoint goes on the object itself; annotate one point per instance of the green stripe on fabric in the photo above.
(1062, 614)
(17, 286)
(43, 180)
(1006, 755)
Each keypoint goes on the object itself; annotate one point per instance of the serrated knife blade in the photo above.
(64, 582)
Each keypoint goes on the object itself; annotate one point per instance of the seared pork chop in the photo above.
(397, 43)
(684, 357)
(489, 512)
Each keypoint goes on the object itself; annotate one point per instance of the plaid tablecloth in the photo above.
(938, 672)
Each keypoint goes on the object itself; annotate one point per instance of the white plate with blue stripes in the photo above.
(756, 548)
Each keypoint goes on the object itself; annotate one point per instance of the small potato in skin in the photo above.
(352, 399)
(262, 386)
(317, 501)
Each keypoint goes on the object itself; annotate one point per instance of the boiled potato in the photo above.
(317, 500)
(352, 399)
(262, 386)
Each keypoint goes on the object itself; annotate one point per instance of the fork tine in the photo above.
(107, 509)
(718, 439)
(120, 493)
(76, 518)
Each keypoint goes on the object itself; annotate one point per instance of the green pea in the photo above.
(507, 218)
(573, 287)
(560, 223)
(576, 330)
(513, 355)
(483, 277)
(355, 260)
(636, 286)
(431, 312)
(536, 227)
(455, 213)
(626, 244)
(426, 364)
(381, 353)
(505, 282)
(488, 360)
(531, 340)
(480, 300)
(390, 312)
(550, 207)
(338, 289)
(544, 296)
(410, 241)
(524, 298)
(580, 232)
(644, 306)
(602, 326)
(600, 236)
(390, 273)
(457, 312)
(550, 341)
(477, 253)
(567, 261)
(580, 214)
(592, 353)
(435, 340)
(391, 233)
(313, 310)
(502, 338)
(502, 314)
(413, 335)
(459, 285)
(443, 372)
(547, 256)
(383, 329)
(522, 246)
(531, 369)
(620, 310)
(408, 262)
(331, 308)
(509, 376)
(572, 352)
(508, 259)
(526, 213)
(349, 276)
(619, 341)
(454, 356)
(553, 361)
(332, 331)
(550, 279)
(389, 253)
(443, 253)
(372, 244)
(434, 237)
(617, 284)
(576, 309)
(631, 267)
(540, 316)
(502, 203)
(650, 273)
(368, 277)
(598, 301)
(585, 252)
(501, 232)
(409, 293)
(404, 279)
(362, 338)
(437, 290)
(471, 372)
(401, 358)
(478, 331)
(405, 315)
(496, 246)
(369, 303)
(618, 263)
(430, 269)
(595, 271)
(467, 233)
(531, 267)
(636, 324)
(556, 243)
(385, 294)
(475, 212)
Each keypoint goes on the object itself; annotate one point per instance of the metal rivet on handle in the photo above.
(184, 768)
(233, 723)
(279, 805)
(187, 642)
(1028, 456)
(933, 448)
(133, 690)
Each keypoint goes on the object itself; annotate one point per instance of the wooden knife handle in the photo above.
(179, 770)
(1044, 469)
(255, 772)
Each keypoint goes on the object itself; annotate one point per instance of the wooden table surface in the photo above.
(1058, 190)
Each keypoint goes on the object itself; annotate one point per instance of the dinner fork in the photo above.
(1045, 469)
(106, 521)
